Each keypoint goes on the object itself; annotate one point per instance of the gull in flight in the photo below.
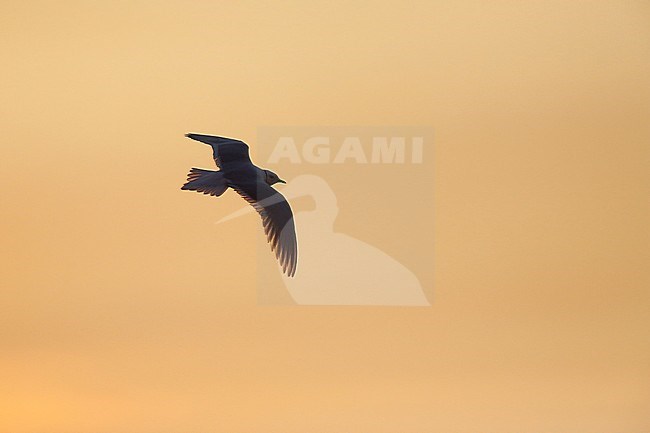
(254, 185)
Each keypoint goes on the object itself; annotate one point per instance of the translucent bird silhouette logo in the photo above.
(336, 268)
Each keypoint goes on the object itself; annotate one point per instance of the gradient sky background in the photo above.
(123, 310)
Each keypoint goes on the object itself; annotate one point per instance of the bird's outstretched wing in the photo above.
(277, 219)
(225, 151)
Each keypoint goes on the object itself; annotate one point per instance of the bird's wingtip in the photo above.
(198, 137)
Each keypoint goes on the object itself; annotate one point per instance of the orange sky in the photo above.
(125, 308)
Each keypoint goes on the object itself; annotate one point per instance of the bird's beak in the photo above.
(281, 181)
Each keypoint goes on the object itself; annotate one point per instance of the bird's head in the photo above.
(272, 178)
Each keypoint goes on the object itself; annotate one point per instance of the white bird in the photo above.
(336, 268)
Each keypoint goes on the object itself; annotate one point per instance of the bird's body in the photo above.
(254, 184)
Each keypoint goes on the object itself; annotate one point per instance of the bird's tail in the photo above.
(206, 181)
